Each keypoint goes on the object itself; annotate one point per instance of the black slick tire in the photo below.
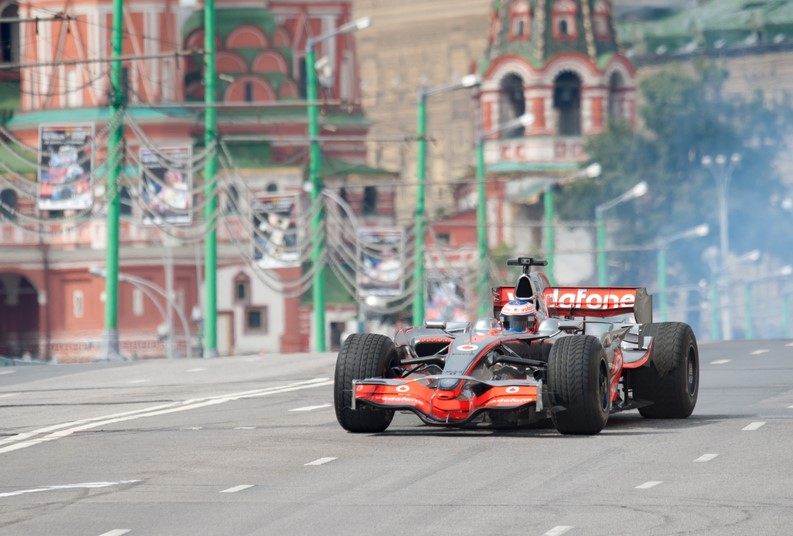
(362, 356)
(578, 380)
(671, 381)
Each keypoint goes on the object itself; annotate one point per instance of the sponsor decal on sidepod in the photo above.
(590, 298)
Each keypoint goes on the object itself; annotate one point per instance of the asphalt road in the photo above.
(251, 446)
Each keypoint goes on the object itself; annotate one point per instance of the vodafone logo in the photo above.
(403, 388)
(467, 347)
(512, 390)
(590, 298)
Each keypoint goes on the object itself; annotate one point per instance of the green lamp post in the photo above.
(638, 190)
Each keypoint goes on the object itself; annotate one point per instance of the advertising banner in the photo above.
(275, 243)
(167, 184)
(65, 167)
(381, 270)
(445, 298)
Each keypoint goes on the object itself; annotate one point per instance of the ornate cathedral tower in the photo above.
(560, 61)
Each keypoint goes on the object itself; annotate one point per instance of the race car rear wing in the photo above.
(583, 301)
(599, 302)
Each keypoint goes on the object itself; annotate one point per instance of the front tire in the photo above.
(362, 356)
(578, 380)
(671, 381)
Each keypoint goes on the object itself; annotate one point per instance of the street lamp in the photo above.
(525, 120)
(662, 245)
(710, 256)
(315, 180)
(468, 81)
(638, 190)
(721, 168)
(146, 287)
(592, 171)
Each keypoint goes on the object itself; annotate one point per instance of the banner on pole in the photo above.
(167, 184)
(65, 167)
(380, 254)
(275, 243)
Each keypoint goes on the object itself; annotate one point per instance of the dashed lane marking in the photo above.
(311, 408)
(321, 461)
(648, 485)
(199, 369)
(116, 532)
(753, 426)
(235, 489)
(720, 362)
(706, 457)
(83, 485)
(759, 352)
(7, 372)
(6, 395)
(245, 428)
(789, 344)
(139, 381)
(58, 431)
(558, 530)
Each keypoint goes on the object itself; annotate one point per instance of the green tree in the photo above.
(683, 119)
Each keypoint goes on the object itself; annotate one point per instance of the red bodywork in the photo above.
(471, 396)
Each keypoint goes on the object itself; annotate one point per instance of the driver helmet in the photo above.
(518, 316)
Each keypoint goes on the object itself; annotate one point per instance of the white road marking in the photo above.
(706, 457)
(6, 395)
(758, 352)
(321, 461)
(58, 431)
(558, 530)
(84, 485)
(139, 381)
(193, 428)
(235, 489)
(245, 428)
(789, 344)
(7, 372)
(720, 362)
(753, 426)
(311, 408)
(199, 369)
(648, 485)
(116, 532)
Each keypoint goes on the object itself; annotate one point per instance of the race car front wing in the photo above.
(462, 398)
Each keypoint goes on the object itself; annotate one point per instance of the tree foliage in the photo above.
(685, 118)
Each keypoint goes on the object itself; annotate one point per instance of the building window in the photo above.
(137, 302)
(369, 205)
(78, 304)
(512, 105)
(520, 21)
(242, 289)
(565, 13)
(8, 205)
(248, 91)
(567, 103)
(232, 200)
(256, 320)
(600, 20)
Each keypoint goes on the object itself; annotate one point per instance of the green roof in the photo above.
(331, 167)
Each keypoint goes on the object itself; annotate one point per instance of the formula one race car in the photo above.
(592, 352)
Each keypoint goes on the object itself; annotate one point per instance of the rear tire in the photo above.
(671, 381)
(578, 379)
(362, 356)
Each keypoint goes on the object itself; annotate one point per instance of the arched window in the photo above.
(600, 20)
(512, 105)
(520, 21)
(9, 35)
(567, 103)
(565, 25)
(125, 202)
